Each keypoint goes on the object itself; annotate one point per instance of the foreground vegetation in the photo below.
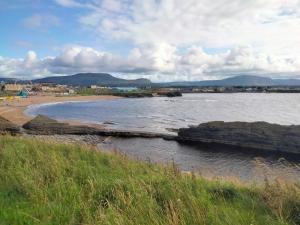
(47, 183)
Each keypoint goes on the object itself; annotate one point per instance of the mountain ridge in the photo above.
(105, 79)
(88, 79)
(241, 80)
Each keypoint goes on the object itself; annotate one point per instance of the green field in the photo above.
(48, 183)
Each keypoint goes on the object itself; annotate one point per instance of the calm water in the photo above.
(209, 162)
(159, 114)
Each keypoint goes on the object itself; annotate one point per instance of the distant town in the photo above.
(105, 84)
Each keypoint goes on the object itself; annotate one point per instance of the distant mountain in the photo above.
(104, 79)
(87, 79)
(8, 80)
(243, 80)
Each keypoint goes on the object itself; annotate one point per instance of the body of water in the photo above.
(159, 114)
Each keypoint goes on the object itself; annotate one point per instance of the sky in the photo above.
(162, 40)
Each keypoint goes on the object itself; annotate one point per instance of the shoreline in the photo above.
(15, 110)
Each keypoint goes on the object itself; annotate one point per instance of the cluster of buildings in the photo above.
(39, 88)
(64, 90)
(57, 89)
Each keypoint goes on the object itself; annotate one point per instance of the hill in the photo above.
(105, 79)
(8, 80)
(88, 79)
(48, 183)
(242, 80)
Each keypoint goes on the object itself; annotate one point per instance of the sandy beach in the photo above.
(14, 110)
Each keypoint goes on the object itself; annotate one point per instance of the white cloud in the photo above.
(271, 27)
(161, 62)
(26, 68)
(173, 39)
(30, 59)
(112, 5)
(209, 23)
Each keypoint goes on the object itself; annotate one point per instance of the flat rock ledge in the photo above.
(42, 125)
(259, 136)
(8, 127)
(256, 135)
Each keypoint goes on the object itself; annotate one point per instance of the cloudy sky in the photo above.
(163, 40)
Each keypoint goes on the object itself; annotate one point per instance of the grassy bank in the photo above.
(44, 183)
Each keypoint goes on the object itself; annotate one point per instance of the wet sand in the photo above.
(13, 110)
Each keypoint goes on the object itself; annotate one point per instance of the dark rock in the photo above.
(109, 123)
(174, 94)
(134, 94)
(170, 94)
(44, 125)
(8, 127)
(134, 134)
(257, 135)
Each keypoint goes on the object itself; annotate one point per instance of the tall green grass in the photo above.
(47, 183)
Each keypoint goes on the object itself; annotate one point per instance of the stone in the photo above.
(256, 135)
(170, 94)
(8, 127)
(44, 125)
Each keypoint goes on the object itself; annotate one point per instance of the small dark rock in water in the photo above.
(109, 123)
(257, 135)
(170, 94)
(44, 125)
(8, 127)
(134, 94)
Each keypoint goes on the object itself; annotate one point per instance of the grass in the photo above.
(47, 183)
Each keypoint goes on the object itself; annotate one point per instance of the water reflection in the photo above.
(209, 162)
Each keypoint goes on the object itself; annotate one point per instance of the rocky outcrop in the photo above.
(257, 135)
(44, 125)
(134, 94)
(8, 127)
(170, 94)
